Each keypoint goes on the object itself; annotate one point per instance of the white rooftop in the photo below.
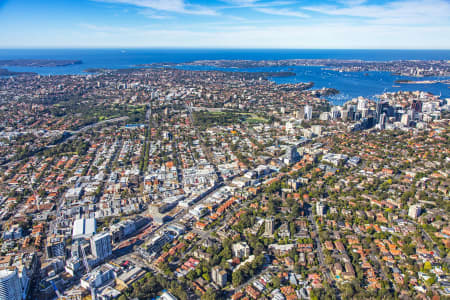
(84, 227)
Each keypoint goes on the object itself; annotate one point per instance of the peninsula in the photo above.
(6, 72)
(414, 68)
(38, 63)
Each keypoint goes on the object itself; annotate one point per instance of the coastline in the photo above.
(401, 81)
(350, 84)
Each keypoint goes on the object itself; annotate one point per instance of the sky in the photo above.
(288, 24)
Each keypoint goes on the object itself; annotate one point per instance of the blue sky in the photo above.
(337, 24)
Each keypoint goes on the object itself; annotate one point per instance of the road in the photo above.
(60, 204)
(427, 237)
(254, 277)
(319, 247)
(204, 148)
(73, 135)
(375, 258)
(182, 213)
(87, 127)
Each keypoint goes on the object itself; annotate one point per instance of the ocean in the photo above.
(350, 84)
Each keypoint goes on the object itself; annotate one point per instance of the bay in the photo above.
(350, 84)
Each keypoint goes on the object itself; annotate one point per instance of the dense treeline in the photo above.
(206, 119)
(88, 113)
(77, 146)
(150, 286)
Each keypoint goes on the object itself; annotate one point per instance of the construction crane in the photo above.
(58, 294)
(88, 269)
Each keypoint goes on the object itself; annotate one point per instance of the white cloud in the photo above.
(151, 14)
(241, 2)
(282, 12)
(352, 2)
(397, 12)
(400, 24)
(336, 35)
(255, 3)
(176, 6)
(270, 8)
(104, 29)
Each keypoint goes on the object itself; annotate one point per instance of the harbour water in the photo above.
(350, 84)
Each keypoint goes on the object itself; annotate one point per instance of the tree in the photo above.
(276, 282)
(427, 266)
(206, 276)
(237, 278)
(191, 275)
(210, 294)
(430, 281)
(348, 291)
(409, 249)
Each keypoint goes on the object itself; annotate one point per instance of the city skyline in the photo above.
(353, 24)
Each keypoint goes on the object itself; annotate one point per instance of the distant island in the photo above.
(255, 75)
(277, 74)
(413, 68)
(38, 63)
(5, 72)
(265, 75)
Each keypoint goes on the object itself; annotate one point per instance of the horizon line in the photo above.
(212, 48)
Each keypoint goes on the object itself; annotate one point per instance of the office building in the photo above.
(308, 112)
(382, 120)
(325, 116)
(351, 112)
(101, 246)
(299, 114)
(292, 156)
(158, 242)
(98, 277)
(84, 228)
(320, 209)
(335, 113)
(365, 113)
(241, 250)
(219, 276)
(416, 106)
(55, 246)
(10, 288)
(316, 129)
(158, 212)
(126, 228)
(269, 226)
(289, 127)
(405, 119)
(14, 232)
(414, 211)
(344, 115)
(362, 104)
(379, 108)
